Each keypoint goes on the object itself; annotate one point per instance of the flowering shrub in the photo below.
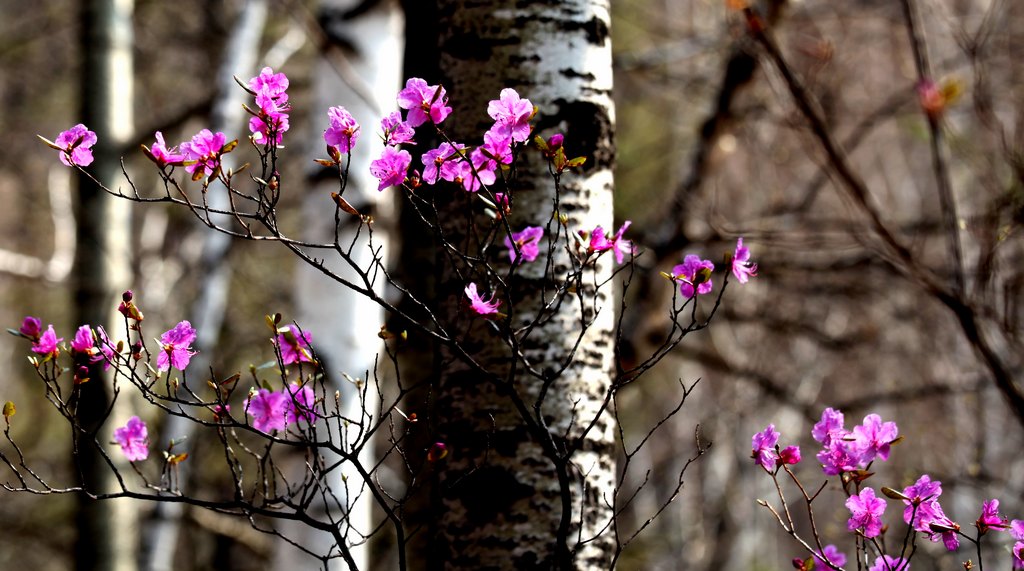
(849, 456)
(286, 403)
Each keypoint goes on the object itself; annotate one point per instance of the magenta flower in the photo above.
(83, 341)
(890, 563)
(830, 426)
(343, 130)
(788, 455)
(269, 410)
(76, 146)
(396, 131)
(1017, 529)
(162, 155)
(479, 304)
(866, 513)
(272, 119)
(528, 242)
(300, 402)
(203, 152)
(511, 115)
(391, 167)
(923, 492)
(105, 353)
(838, 456)
(133, 438)
(424, 102)
(175, 347)
(831, 554)
(270, 84)
(693, 269)
(496, 147)
(599, 243)
(873, 438)
(438, 163)
(46, 345)
(476, 173)
(295, 347)
(31, 327)
(990, 518)
(1018, 555)
(763, 444)
(742, 267)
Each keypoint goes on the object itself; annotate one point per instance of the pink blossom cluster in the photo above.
(694, 274)
(848, 450)
(852, 451)
(766, 452)
(270, 122)
(276, 410)
(95, 347)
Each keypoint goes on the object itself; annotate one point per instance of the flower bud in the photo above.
(31, 327)
(127, 296)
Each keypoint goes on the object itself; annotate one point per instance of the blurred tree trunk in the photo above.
(207, 312)
(106, 538)
(359, 68)
(507, 496)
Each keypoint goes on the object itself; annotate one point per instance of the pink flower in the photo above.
(83, 342)
(272, 119)
(176, 351)
(742, 267)
(424, 102)
(763, 444)
(497, 148)
(46, 345)
(343, 130)
(990, 518)
(1017, 529)
(479, 304)
(1018, 555)
(693, 270)
(890, 563)
(76, 146)
(511, 115)
(831, 554)
(396, 131)
(789, 455)
(300, 402)
(271, 84)
(31, 327)
(162, 155)
(133, 438)
(873, 438)
(105, 354)
(203, 151)
(866, 513)
(924, 492)
(830, 426)
(838, 456)
(528, 242)
(294, 348)
(269, 410)
(600, 243)
(391, 167)
(476, 173)
(438, 163)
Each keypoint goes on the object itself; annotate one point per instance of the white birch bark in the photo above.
(501, 495)
(361, 70)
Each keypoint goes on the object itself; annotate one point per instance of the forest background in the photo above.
(711, 146)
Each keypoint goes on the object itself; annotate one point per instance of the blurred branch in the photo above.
(947, 202)
(59, 265)
(994, 346)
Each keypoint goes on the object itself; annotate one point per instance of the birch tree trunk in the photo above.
(360, 69)
(102, 270)
(513, 494)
